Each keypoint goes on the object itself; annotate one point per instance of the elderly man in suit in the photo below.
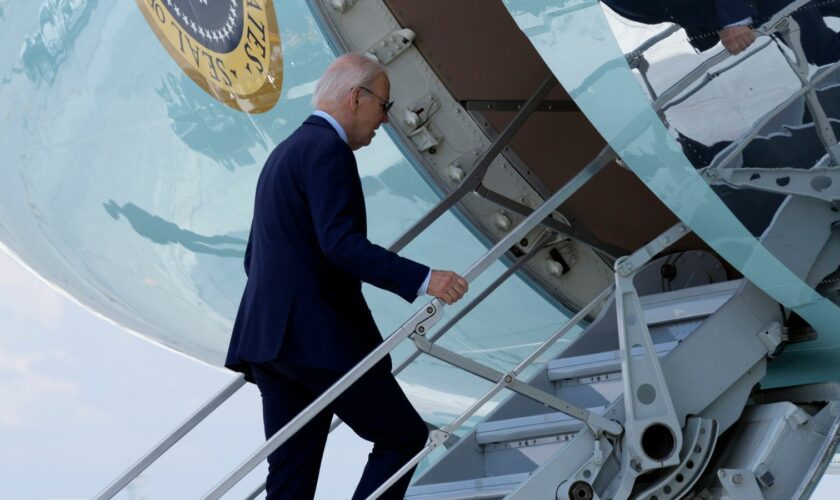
(303, 321)
(731, 21)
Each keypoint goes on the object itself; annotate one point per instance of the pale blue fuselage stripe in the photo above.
(597, 77)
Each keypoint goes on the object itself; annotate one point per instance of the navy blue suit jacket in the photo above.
(307, 256)
(701, 19)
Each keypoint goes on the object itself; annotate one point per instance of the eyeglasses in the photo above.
(385, 103)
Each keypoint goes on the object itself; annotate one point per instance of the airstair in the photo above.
(659, 397)
(522, 449)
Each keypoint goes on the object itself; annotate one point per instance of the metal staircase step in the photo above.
(520, 437)
(589, 366)
(522, 444)
(485, 488)
(529, 429)
(592, 380)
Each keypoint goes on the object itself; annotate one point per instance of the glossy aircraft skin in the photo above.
(129, 187)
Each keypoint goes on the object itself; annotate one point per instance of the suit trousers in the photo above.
(375, 407)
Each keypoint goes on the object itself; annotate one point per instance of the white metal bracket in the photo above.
(740, 484)
(438, 437)
(416, 124)
(435, 312)
(418, 113)
(630, 265)
(652, 431)
(425, 139)
(341, 5)
(579, 485)
(387, 48)
(771, 336)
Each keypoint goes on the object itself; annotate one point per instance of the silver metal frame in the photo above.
(822, 183)
(647, 402)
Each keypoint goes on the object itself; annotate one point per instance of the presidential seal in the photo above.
(231, 48)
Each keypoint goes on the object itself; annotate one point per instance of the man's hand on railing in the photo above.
(737, 38)
(447, 286)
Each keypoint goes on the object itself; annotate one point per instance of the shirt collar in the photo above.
(333, 122)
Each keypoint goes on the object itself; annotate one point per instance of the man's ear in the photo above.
(354, 99)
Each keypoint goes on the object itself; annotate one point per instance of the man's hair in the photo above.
(345, 73)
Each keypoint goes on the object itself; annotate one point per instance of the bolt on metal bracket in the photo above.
(435, 312)
(627, 266)
(740, 484)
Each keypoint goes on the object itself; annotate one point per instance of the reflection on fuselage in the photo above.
(750, 110)
(206, 129)
(794, 145)
(61, 21)
(164, 232)
(705, 21)
(790, 138)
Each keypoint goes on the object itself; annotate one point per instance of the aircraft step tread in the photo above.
(598, 363)
(530, 427)
(484, 488)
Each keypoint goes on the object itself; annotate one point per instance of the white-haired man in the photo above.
(303, 321)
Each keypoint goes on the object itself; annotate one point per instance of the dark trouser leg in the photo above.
(293, 468)
(377, 410)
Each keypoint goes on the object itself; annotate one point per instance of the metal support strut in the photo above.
(653, 433)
